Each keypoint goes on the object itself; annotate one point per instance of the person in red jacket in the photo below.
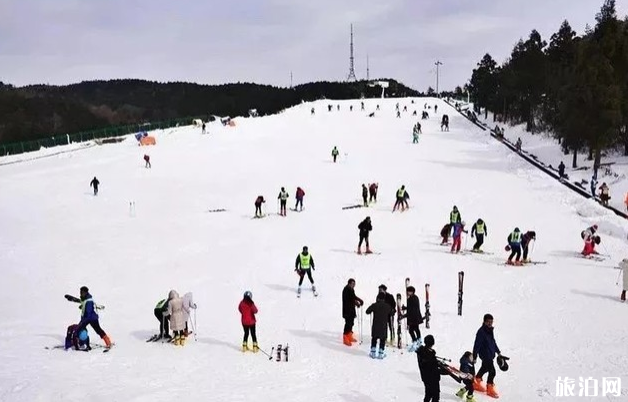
(248, 309)
(299, 196)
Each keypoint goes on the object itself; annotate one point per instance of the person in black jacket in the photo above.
(379, 328)
(365, 195)
(349, 303)
(94, 183)
(413, 317)
(486, 348)
(467, 367)
(365, 228)
(430, 370)
(390, 300)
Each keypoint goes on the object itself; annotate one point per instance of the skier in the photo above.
(304, 265)
(415, 134)
(299, 197)
(365, 195)
(398, 114)
(283, 198)
(161, 313)
(561, 170)
(590, 239)
(604, 194)
(365, 228)
(430, 370)
(188, 304)
(480, 230)
(467, 366)
(444, 233)
(351, 108)
(444, 123)
(312, 112)
(373, 192)
(248, 309)
(77, 340)
(147, 160)
(486, 347)
(203, 128)
(527, 237)
(435, 108)
(402, 199)
(454, 216)
(95, 183)
(413, 317)
(178, 313)
(405, 108)
(362, 106)
(349, 302)
(518, 145)
(90, 317)
(258, 206)
(623, 265)
(514, 246)
(457, 236)
(379, 328)
(334, 153)
(390, 300)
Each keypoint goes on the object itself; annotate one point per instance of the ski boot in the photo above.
(518, 263)
(346, 339)
(107, 341)
(182, 340)
(461, 392)
(177, 340)
(623, 295)
(368, 250)
(373, 354)
(352, 338)
(299, 291)
(359, 250)
(477, 385)
(381, 354)
(490, 391)
(470, 398)
(509, 262)
(415, 345)
(245, 347)
(255, 347)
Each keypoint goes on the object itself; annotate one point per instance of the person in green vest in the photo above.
(415, 133)
(402, 199)
(334, 153)
(479, 229)
(161, 313)
(283, 198)
(454, 217)
(514, 246)
(304, 265)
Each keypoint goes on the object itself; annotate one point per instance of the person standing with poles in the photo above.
(304, 265)
(413, 318)
(283, 199)
(349, 302)
(381, 318)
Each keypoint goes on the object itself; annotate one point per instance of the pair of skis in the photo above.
(313, 291)
(280, 349)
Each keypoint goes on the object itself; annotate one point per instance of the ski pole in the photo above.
(270, 357)
(195, 327)
(618, 275)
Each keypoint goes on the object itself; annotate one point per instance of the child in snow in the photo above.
(514, 246)
(299, 196)
(444, 233)
(623, 265)
(379, 329)
(258, 206)
(467, 367)
(248, 309)
(457, 236)
(77, 340)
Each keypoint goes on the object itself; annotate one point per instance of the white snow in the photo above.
(559, 319)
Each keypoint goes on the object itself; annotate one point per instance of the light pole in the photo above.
(438, 63)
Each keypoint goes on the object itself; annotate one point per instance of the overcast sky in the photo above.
(211, 41)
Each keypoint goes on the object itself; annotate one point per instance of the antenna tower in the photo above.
(351, 76)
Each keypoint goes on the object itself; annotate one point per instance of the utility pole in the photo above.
(290, 79)
(368, 72)
(438, 63)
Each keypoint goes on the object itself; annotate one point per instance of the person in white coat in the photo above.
(188, 304)
(178, 317)
(623, 265)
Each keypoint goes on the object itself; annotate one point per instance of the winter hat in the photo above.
(410, 289)
(429, 341)
(502, 363)
(83, 335)
(84, 289)
(248, 294)
(383, 287)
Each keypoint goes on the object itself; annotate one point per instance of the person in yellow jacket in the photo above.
(304, 265)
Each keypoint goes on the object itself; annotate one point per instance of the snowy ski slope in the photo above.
(563, 318)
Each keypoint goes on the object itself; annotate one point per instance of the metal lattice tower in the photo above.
(351, 76)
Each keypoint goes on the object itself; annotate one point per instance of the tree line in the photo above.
(40, 111)
(575, 86)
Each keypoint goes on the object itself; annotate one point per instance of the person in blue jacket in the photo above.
(514, 246)
(90, 317)
(486, 347)
(76, 340)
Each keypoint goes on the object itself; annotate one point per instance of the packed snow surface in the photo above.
(553, 320)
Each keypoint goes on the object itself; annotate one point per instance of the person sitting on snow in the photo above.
(589, 245)
(77, 340)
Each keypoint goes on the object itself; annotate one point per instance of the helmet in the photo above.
(463, 223)
(83, 335)
(595, 227)
(507, 248)
(517, 230)
(248, 294)
(502, 363)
